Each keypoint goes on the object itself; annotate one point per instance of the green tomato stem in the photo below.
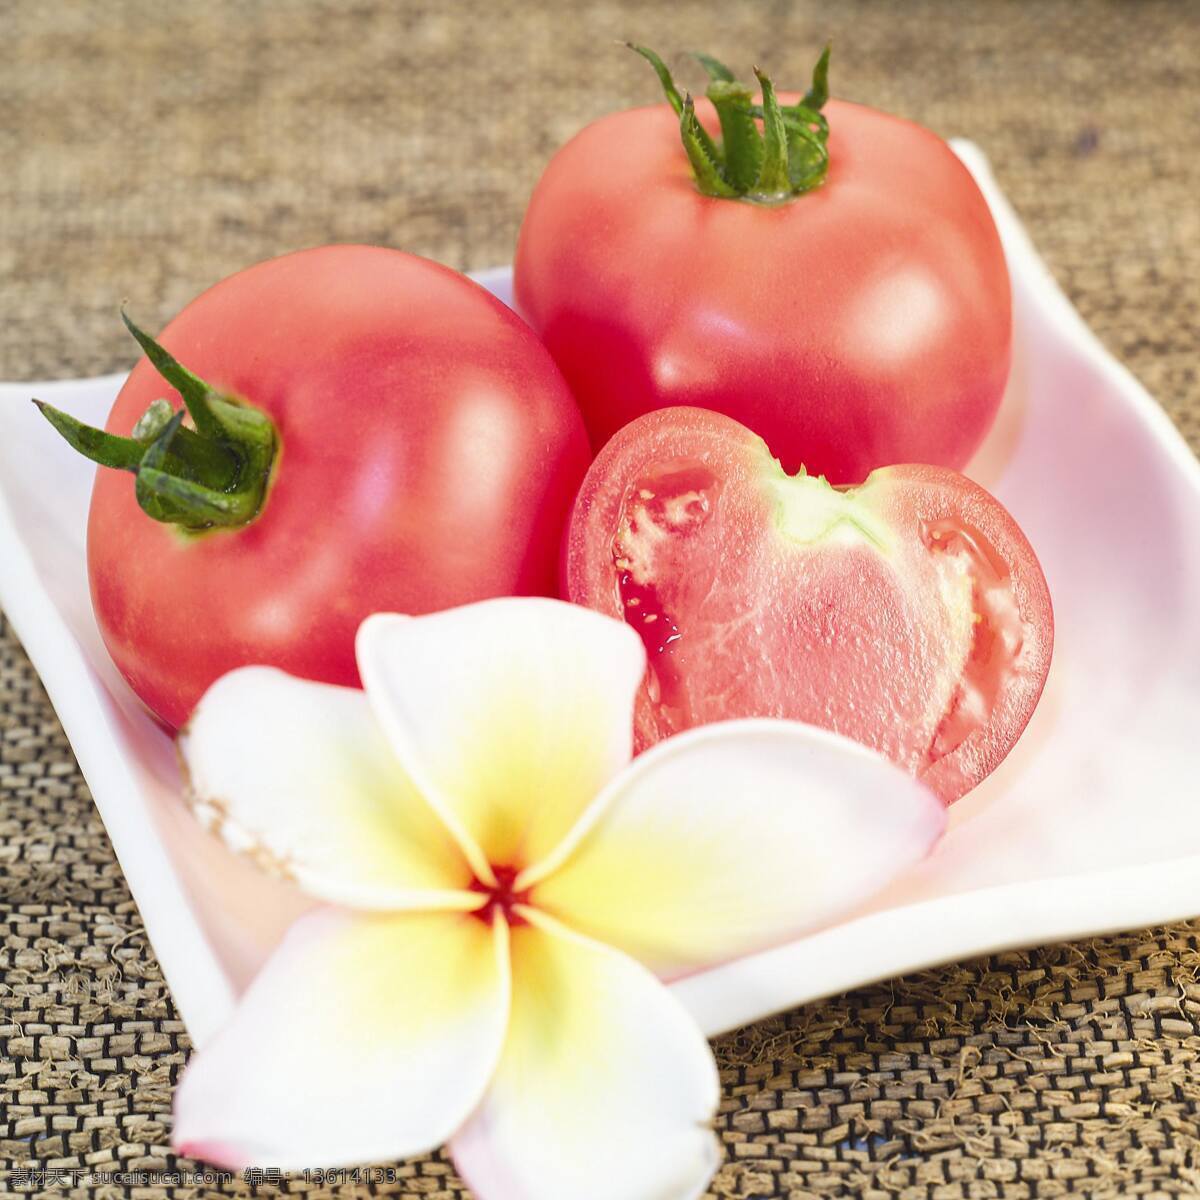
(739, 134)
(213, 476)
(787, 157)
(709, 176)
(816, 95)
(773, 178)
(717, 70)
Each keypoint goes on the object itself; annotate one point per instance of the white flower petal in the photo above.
(606, 1087)
(299, 776)
(733, 837)
(364, 1039)
(511, 714)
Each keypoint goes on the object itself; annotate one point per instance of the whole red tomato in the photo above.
(909, 613)
(856, 314)
(425, 453)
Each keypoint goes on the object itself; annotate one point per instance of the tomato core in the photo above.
(502, 897)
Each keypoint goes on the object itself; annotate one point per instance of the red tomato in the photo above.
(908, 613)
(863, 323)
(428, 452)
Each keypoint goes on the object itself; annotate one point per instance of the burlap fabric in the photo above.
(147, 149)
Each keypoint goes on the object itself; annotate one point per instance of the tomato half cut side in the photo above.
(909, 612)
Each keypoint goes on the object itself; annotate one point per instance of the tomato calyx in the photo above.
(788, 157)
(214, 475)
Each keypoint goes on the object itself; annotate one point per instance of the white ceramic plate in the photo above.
(1092, 824)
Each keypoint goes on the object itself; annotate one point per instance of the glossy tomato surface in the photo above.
(909, 613)
(864, 323)
(429, 453)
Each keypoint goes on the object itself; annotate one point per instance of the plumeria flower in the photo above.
(504, 894)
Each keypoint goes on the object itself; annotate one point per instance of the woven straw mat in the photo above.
(148, 149)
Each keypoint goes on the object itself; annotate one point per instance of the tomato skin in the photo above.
(864, 323)
(429, 451)
(909, 613)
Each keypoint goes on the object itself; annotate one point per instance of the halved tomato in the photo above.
(909, 612)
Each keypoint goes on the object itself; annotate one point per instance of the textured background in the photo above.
(147, 149)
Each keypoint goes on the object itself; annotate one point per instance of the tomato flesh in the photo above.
(908, 613)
